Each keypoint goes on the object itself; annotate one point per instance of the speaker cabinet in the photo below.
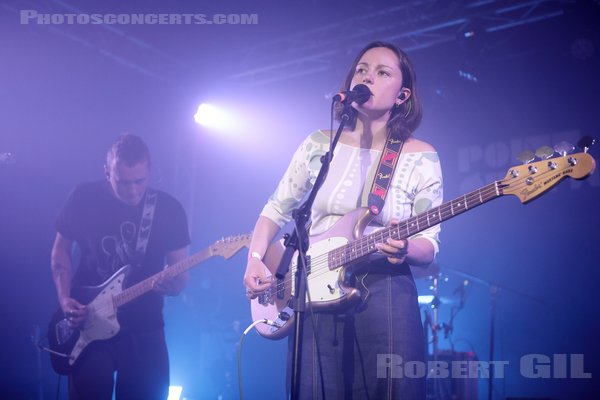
(455, 376)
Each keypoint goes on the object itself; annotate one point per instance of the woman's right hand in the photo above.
(257, 278)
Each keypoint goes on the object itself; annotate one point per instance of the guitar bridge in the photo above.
(266, 297)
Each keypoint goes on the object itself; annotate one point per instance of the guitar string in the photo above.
(320, 263)
(317, 263)
(465, 200)
(141, 287)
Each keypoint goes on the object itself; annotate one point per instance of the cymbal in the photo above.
(428, 299)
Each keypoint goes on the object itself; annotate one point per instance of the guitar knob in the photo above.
(532, 169)
(544, 152)
(552, 165)
(283, 316)
(572, 161)
(564, 148)
(526, 157)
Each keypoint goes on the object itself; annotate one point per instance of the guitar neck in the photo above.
(366, 245)
(147, 284)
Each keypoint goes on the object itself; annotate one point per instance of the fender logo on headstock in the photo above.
(527, 191)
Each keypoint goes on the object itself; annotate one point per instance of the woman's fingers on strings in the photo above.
(386, 249)
(257, 285)
(400, 245)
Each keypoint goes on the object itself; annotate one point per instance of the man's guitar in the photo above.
(332, 254)
(66, 344)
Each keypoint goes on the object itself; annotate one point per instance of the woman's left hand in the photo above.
(396, 250)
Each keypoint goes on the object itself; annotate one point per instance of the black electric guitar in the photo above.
(102, 302)
(335, 252)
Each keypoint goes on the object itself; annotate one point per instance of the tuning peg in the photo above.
(564, 148)
(544, 152)
(585, 143)
(526, 157)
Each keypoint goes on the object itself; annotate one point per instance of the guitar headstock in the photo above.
(229, 246)
(531, 180)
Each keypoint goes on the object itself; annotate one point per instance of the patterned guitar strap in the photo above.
(384, 174)
(145, 225)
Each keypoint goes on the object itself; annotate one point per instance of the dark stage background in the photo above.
(496, 78)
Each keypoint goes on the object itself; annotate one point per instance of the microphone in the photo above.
(359, 94)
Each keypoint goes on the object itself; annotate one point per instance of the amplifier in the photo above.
(453, 377)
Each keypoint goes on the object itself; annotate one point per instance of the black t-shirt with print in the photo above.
(106, 232)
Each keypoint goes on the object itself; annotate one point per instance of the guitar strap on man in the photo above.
(384, 174)
(145, 225)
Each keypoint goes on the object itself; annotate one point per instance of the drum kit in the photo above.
(434, 294)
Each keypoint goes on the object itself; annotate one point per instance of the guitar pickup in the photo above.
(280, 287)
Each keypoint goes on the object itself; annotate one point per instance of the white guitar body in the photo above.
(328, 280)
(104, 300)
(333, 253)
(101, 322)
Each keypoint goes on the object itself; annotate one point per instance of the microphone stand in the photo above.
(299, 241)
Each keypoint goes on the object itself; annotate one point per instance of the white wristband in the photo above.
(255, 254)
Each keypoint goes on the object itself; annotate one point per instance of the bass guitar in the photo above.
(66, 345)
(332, 254)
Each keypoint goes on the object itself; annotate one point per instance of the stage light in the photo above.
(212, 117)
(175, 392)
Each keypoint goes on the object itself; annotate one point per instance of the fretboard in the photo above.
(366, 245)
(146, 285)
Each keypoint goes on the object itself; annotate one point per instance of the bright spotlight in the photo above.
(175, 392)
(212, 117)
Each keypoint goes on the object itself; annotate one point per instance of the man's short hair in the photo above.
(129, 149)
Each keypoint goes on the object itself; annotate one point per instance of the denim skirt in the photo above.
(375, 350)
